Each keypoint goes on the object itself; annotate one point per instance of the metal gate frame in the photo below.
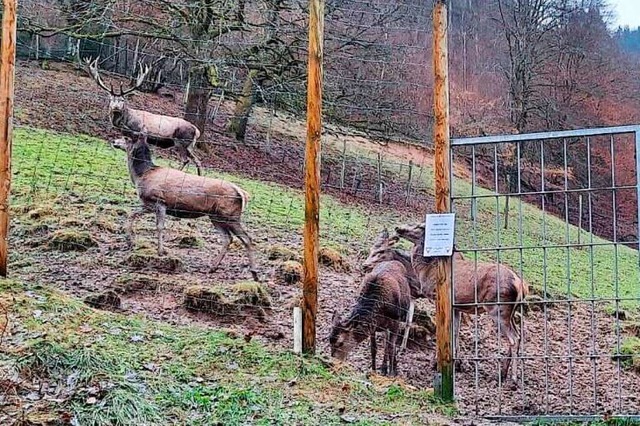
(518, 139)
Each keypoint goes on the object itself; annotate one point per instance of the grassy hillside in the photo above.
(95, 368)
(46, 164)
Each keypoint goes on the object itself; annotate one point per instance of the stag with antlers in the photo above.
(164, 131)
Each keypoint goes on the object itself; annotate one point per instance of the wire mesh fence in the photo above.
(73, 191)
(576, 358)
(242, 82)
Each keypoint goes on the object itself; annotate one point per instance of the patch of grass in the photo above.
(250, 293)
(190, 241)
(629, 354)
(142, 258)
(277, 252)
(126, 283)
(128, 370)
(46, 163)
(333, 259)
(290, 272)
(71, 240)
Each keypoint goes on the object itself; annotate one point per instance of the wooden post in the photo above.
(312, 176)
(579, 218)
(408, 193)
(442, 189)
(7, 70)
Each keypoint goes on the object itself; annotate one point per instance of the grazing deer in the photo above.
(382, 305)
(164, 131)
(481, 283)
(169, 191)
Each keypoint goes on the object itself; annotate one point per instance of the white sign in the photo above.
(438, 234)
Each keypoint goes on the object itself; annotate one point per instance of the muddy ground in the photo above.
(560, 363)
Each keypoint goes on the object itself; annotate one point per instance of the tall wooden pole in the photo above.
(442, 190)
(7, 70)
(312, 177)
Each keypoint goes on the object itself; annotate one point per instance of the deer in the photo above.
(382, 305)
(167, 191)
(478, 287)
(164, 131)
(384, 250)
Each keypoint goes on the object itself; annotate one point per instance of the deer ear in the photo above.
(335, 318)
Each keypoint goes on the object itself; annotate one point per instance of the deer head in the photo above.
(117, 98)
(345, 335)
(380, 251)
(413, 233)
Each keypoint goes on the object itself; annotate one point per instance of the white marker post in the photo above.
(297, 330)
(405, 338)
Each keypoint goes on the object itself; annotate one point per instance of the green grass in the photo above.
(123, 370)
(46, 163)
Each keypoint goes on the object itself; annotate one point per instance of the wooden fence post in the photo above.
(312, 176)
(442, 192)
(7, 70)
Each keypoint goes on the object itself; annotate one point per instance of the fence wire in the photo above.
(243, 81)
(576, 358)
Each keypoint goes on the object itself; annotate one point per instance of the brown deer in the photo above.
(382, 306)
(383, 250)
(169, 191)
(164, 131)
(478, 287)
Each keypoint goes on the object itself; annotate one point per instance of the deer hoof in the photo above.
(255, 276)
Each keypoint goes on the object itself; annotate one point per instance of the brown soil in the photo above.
(552, 382)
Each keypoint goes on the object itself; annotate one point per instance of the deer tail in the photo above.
(244, 195)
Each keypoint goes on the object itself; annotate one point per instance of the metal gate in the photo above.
(560, 209)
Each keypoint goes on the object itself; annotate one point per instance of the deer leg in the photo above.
(384, 369)
(161, 213)
(182, 153)
(502, 318)
(393, 345)
(374, 351)
(237, 229)
(457, 317)
(226, 238)
(135, 215)
(515, 338)
(192, 156)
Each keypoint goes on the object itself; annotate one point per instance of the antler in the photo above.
(142, 75)
(93, 70)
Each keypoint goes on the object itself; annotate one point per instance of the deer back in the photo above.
(486, 282)
(184, 192)
(161, 126)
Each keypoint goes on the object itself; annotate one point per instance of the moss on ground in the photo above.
(127, 370)
(290, 272)
(333, 259)
(71, 240)
(148, 258)
(282, 253)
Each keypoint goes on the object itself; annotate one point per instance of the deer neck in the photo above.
(423, 267)
(140, 161)
(119, 119)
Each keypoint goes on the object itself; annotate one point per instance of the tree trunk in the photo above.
(238, 123)
(198, 96)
